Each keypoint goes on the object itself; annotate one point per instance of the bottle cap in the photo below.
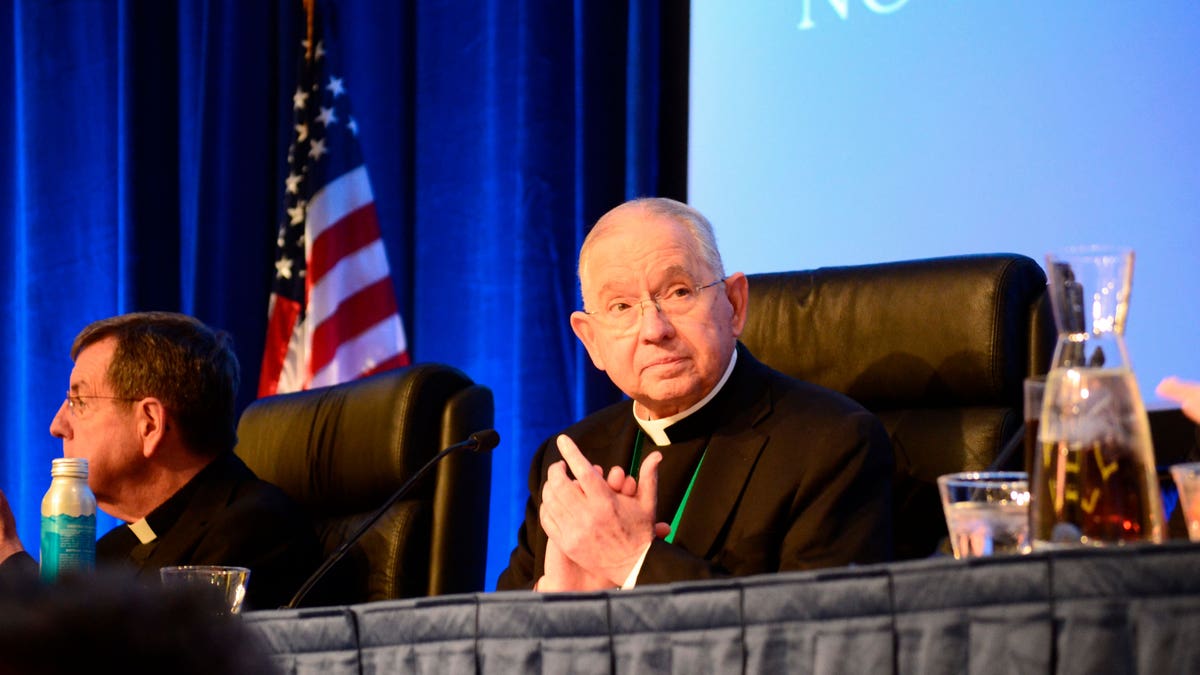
(69, 467)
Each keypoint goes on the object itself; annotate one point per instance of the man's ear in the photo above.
(585, 330)
(737, 290)
(152, 423)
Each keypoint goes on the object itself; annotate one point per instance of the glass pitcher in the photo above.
(1095, 480)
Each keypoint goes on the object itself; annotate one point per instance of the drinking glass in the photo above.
(222, 586)
(1187, 481)
(987, 513)
(1035, 387)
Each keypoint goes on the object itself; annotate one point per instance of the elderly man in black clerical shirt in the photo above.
(151, 406)
(718, 465)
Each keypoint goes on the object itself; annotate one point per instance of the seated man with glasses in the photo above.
(718, 465)
(151, 406)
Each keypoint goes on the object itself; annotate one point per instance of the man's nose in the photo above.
(60, 426)
(654, 324)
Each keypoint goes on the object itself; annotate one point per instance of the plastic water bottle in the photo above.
(68, 521)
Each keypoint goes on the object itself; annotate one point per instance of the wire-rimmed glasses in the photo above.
(623, 314)
(77, 405)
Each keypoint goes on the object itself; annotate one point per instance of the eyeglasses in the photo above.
(77, 405)
(623, 314)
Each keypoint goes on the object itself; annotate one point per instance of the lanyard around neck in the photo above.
(636, 464)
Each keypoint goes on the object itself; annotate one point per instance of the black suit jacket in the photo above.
(795, 477)
(224, 516)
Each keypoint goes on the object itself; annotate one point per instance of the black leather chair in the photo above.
(937, 348)
(342, 451)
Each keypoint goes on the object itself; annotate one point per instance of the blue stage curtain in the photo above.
(146, 158)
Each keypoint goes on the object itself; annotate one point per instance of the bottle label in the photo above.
(68, 545)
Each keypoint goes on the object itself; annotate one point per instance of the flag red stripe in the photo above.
(280, 325)
(359, 228)
(396, 361)
(356, 314)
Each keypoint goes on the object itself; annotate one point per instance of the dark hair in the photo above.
(177, 359)
(109, 622)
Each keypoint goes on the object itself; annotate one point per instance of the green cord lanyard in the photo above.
(636, 464)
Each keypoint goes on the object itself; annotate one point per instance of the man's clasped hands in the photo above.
(599, 527)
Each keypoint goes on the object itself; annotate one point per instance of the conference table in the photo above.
(1130, 609)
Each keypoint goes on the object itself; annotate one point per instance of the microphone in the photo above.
(1015, 443)
(480, 441)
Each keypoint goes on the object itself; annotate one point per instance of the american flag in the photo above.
(332, 315)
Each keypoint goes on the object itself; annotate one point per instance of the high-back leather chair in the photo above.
(342, 451)
(936, 348)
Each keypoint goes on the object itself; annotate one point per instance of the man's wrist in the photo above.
(631, 578)
(546, 585)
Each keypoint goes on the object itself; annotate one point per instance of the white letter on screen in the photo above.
(883, 8)
(842, 7)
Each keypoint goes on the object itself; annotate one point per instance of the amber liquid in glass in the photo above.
(1095, 483)
(1093, 494)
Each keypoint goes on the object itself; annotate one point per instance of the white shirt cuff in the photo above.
(631, 580)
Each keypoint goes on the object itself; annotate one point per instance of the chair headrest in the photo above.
(366, 436)
(939, 331)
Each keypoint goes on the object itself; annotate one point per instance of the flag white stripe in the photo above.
(363, 352)
(350, 275)
(295, 364)
(339, 198)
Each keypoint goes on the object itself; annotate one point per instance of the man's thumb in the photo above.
(647, 493)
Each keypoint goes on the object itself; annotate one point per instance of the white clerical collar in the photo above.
(657, 429)
(142, 529)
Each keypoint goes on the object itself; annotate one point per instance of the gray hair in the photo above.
(697, 226)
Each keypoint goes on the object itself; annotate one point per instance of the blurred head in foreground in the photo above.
(111, 623)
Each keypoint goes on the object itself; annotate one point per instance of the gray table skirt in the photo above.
(1120, 610)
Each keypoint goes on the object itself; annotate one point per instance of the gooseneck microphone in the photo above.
(1015, 443)
(480, 441)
